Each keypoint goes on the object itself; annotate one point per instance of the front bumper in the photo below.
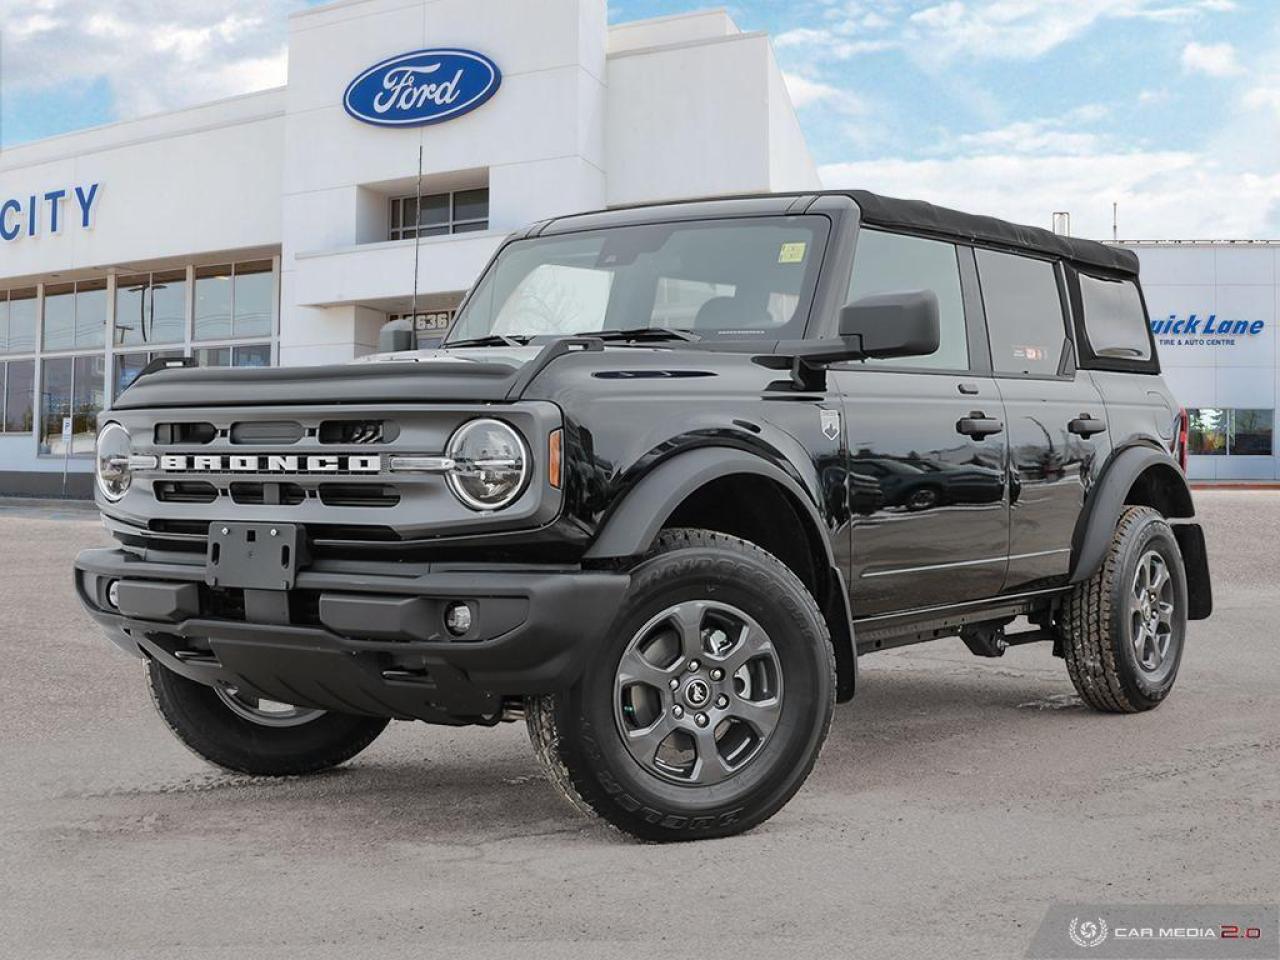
(366, 638)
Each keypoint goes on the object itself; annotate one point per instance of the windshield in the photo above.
(737, 278)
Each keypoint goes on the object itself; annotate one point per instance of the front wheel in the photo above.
(1123, 629)
(241, 733)
(705, 709)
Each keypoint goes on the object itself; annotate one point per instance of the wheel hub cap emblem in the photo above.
(697, 693)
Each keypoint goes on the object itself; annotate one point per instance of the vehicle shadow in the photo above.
(477, 786)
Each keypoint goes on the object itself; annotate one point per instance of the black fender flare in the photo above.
(632, 527)
(1106, 501)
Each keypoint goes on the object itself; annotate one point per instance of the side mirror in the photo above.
(893, 324)
(396, 337)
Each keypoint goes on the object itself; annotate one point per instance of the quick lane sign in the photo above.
(49, 212)
(1196, 330)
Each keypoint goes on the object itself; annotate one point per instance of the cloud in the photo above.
(1211, 59)
(1162, 194)
(983, 29)
(805, 93)
(154, 54)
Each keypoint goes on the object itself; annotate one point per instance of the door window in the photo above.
(891, 263)
(1114, 319)
(1024, 313)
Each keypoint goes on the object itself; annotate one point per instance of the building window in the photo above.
(71, 387)
(1227, 432)
(75, 315)
(18, 321)
(233, 355)
(440, 214)
(236, 300)
(151, 308)
(17, 396)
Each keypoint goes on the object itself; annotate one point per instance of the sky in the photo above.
(1015, 108)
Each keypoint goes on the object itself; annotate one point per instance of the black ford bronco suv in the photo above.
(673, 470)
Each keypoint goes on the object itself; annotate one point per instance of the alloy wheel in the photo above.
(1151, 612)
(698, 693)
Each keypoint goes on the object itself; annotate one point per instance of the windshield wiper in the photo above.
(644, 333)
(492, 340)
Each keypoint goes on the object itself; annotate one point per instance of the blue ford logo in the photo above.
(425, 86)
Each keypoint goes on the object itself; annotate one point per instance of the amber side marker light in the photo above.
(554, 444)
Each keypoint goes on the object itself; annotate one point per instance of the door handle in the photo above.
(978, 425)
(1086, 426)
(969, 389)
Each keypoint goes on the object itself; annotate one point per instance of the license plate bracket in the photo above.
(255, 556)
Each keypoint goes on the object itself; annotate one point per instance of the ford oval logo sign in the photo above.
(425, 86)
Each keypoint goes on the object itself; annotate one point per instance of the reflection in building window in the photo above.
(75, 315)
(239, 355)
(1216, 431)
(18, 321)
(17, 396)
(151, 308)
(71, 386)
(236, 300)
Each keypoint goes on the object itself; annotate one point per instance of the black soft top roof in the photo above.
(877, 211)
(916, 215)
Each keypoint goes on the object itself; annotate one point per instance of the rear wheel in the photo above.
(242, 733)
(704, 711)
(1124, 628)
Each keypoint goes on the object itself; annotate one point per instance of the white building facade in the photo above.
(1214, 307)
(282, 228)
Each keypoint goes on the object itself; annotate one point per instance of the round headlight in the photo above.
(491, 464)
(114, 475)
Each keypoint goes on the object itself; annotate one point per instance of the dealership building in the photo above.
(1214, 307)
(287, 226)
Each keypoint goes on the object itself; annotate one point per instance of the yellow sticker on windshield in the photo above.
(792, 252)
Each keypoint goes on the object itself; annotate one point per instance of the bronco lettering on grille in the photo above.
(271, 463)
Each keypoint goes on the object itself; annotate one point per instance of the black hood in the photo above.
(473, 374)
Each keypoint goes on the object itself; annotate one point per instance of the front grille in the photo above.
(267, 433)
(358, 431)
(358, 495)
(287, 494)
(326, 467)
(185, 491)
(176, 434)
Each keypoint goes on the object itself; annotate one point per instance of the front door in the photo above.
(927, 444)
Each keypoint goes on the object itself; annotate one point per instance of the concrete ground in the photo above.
(956, 799)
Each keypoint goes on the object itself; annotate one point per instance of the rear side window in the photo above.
(1114, 319)
(890, 263)
(1024, 313)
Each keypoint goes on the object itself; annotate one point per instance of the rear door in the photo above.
(926, 439)
(1057, 423)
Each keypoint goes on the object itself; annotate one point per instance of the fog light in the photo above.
(113, 594)
(457, 618)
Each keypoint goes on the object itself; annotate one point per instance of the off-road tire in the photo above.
(577, 740)
(1096, 637)
(208, 728)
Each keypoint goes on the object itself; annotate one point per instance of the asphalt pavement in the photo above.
(955, 800)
